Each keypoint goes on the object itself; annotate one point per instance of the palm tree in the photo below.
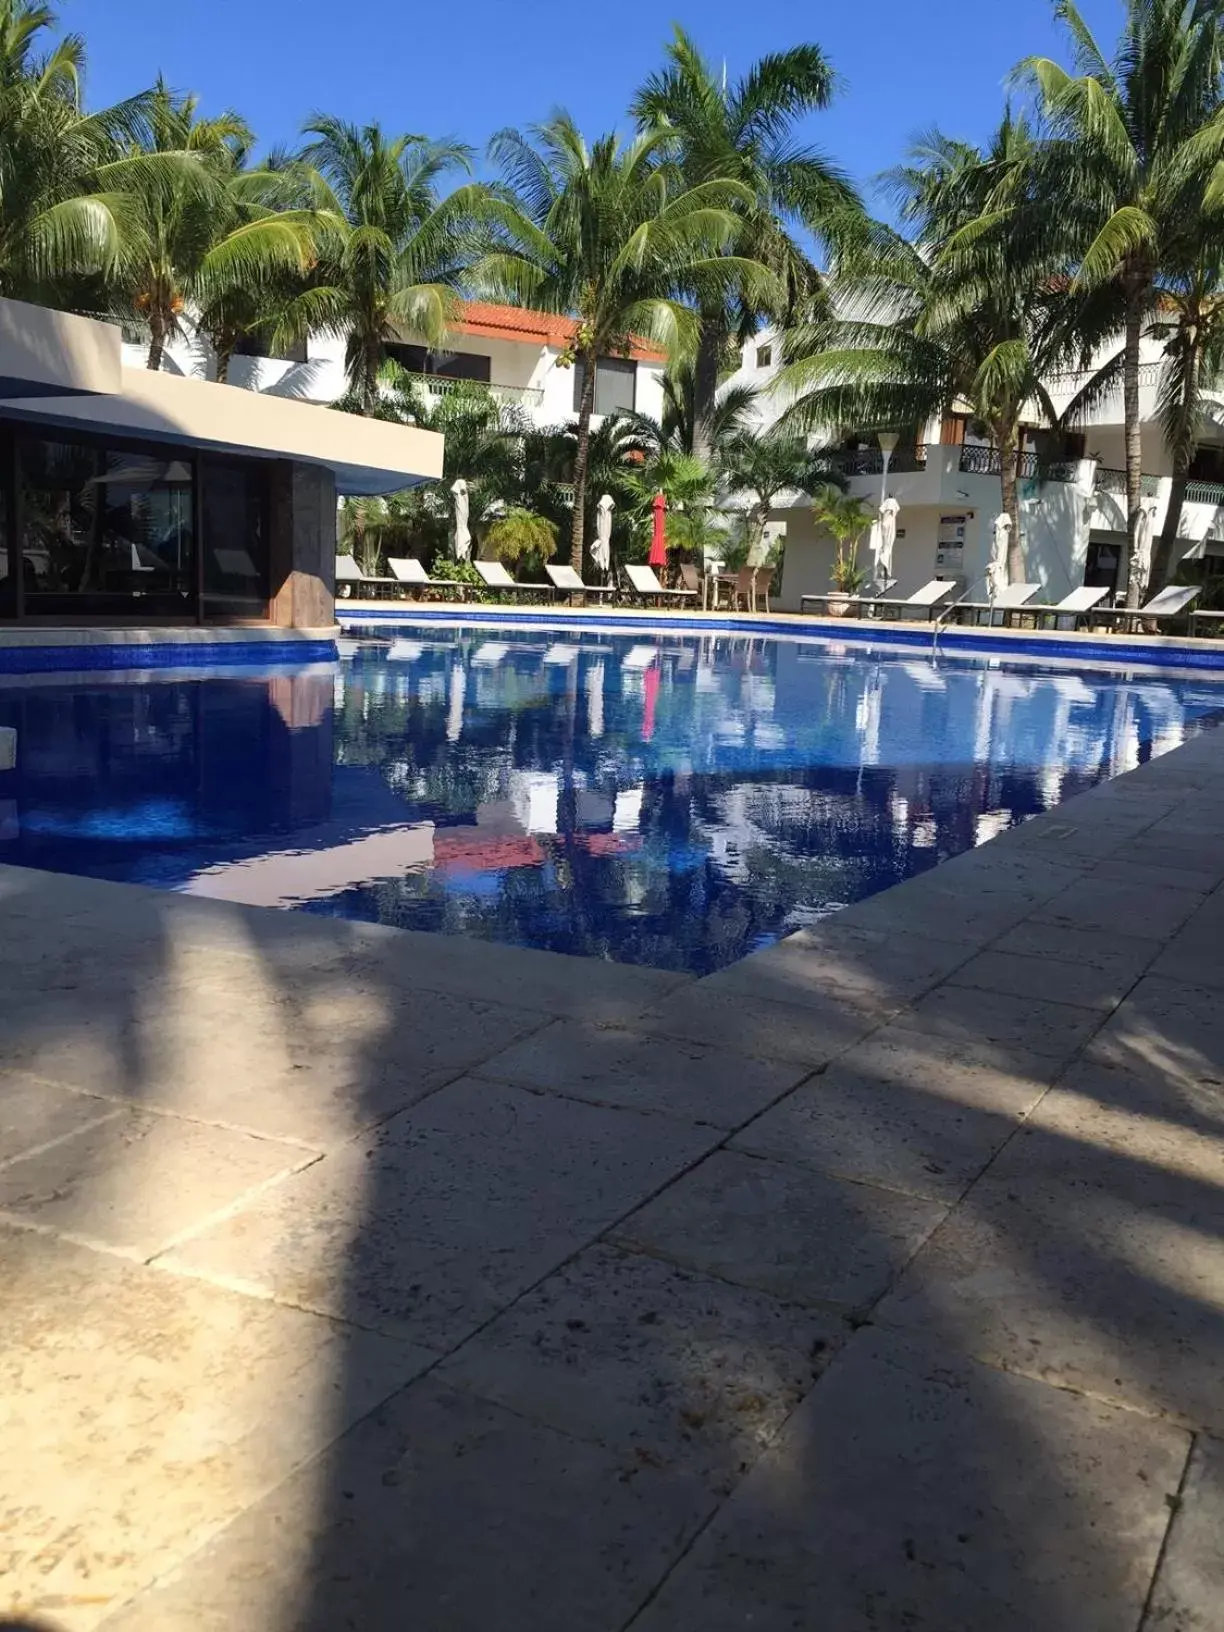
(847, 519)
(597, 234)
(65, 211)
(959, 317)
(1135, 158)
(764, 468)
(208, 247)
(1191, 324)
(395, 252)
(677, 425)
(746, 132)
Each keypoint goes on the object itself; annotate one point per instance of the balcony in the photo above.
(1114, 481)
(976, 459)
(870, 461)
(436, 386)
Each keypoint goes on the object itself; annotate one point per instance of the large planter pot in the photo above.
(840, 605)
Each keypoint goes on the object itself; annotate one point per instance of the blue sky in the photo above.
(468, 69)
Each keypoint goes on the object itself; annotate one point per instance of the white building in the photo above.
(516, 353)
(1073, 508)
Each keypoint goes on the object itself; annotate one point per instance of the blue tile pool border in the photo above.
(1162, 652)
(104, 655)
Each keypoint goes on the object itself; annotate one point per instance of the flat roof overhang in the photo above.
(367, 456)
(51, 354)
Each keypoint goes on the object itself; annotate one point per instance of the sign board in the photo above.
(950, 544)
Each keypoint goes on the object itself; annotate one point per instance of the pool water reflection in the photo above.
(672, 801)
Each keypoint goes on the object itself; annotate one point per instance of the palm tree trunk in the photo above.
(157, 340)
(582, 455)
(1133, 427)
(225, 352)
(705, 383)
(1183, 453)
(1008, 441)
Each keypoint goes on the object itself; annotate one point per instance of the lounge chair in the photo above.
(1075, 606)
(411, 572)
(1007, 601)
(568, 582)
(350, 575)
(1212, 615)
(925, 600)
(496, 577)
(644, 584)
(1171, 602)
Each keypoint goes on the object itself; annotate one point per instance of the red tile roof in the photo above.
(535, 328)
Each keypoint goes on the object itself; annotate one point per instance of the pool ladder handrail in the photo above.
(948, 610)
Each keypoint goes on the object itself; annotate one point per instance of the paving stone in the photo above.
(143, 1411)
(924, 1062)
(312, 1060)
(136, 1181)
(1123, 957)
(619, 1347)
(1127, 909)
(804, 1236)
(1189, 1590)
(438, 1220)
(440, 1511)
(809, 1033)
(1085, 1268)
(1195, 957)
(1048, 980)
(964, 1017)
(915, 1489)
(1172, 1030)
(33, 1114)
(1158, 867)
(614, 1067)
(927, 1140)
(888, 969)
(605, 992)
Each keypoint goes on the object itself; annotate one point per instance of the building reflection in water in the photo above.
(672, 801)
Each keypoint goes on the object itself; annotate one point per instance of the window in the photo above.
(615, 385)
(234, 543)
(446, 365)
(250, 345)
(105, 529)
(764, 356)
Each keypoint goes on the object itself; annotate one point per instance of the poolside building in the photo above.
(138, 498)
(945, 476)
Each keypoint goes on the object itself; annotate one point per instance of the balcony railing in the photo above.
(438, 385)
(870, 461)
(1205, 493)
(977, 459)
(1114, 481)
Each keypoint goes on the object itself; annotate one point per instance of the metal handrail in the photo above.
(441, 385)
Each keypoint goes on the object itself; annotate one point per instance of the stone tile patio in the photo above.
(351, 1277)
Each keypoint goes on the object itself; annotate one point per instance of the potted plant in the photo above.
(847, 520)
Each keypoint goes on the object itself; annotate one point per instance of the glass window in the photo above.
(446, 365)
(234, 540)
(615, 385)
(764, 356)
(105, 530)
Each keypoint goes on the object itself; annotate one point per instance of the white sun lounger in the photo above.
(1074, 606)
(408, 570)
(639, 657)
(490, 653)
(570, 583)
(643, 581)
(1171, 602)
(496, 577)
(561, 655)
(348, 572)
(925, 600)
(1008, 600)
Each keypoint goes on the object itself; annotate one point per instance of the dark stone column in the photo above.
(302, 545)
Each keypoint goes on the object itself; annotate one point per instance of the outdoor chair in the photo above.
(925, 600)
(1007, 601)
(1209, 617)
(1171, 602)
(751, 583)
(568, 582)
(497, 578)
(349, 577)
(644, 585)
(1078, 604)
(411, 573)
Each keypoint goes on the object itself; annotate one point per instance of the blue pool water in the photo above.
(672, 800)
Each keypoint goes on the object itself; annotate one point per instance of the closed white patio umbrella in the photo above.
(884, 539)
(997, 575)
(601, 548)
(1145, 537)
(463, 536)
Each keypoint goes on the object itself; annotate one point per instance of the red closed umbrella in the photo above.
(658, 536)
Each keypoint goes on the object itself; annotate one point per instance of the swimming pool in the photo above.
(665, 799)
